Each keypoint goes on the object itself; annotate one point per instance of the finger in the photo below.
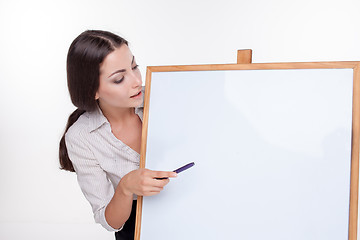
(147, 194)
(146, 172)
(149, 182)
(160, 182)
(152, 188)
(152, 191)
(164, 174)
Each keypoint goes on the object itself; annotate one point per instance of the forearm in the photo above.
(118, 210)
(141, 182)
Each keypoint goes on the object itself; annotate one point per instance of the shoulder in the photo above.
(79, 129)
(77, 139)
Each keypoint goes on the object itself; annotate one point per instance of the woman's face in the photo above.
(120, 80)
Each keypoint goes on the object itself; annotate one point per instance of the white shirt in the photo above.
(99, 159)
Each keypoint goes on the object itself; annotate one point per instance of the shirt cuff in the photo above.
(102, 220)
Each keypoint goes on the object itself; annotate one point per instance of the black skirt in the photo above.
(128, 231)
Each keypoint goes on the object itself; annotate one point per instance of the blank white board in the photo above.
(272, 151)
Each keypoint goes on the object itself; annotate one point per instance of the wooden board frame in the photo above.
(355, 140)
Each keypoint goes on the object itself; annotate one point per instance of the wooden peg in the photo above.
(244, 56)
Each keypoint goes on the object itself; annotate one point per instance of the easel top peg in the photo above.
(244, 56)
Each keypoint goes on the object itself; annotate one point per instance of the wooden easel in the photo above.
(244, 57)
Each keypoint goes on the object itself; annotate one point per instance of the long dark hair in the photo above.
(85, 55)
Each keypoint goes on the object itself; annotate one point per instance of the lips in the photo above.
(136, 95)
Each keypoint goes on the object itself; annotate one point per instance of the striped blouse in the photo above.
(99, 159)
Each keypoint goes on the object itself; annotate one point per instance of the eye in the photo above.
(119, 81)
(135, 67)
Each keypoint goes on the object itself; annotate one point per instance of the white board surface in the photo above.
(272, 152)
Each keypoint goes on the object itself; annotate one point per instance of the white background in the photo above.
(37, 199)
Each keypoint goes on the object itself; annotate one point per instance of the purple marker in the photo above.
(183, 168)
(179, 170)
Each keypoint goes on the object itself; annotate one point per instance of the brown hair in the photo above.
(85, 55)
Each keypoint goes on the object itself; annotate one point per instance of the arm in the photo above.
(111, 209)
(92, 179)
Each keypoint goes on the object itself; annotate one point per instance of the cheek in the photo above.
(112, 93)
(139, 73)
(116, 94)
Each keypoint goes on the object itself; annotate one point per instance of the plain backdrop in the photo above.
(37, 200)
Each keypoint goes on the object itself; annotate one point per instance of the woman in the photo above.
(102, 139)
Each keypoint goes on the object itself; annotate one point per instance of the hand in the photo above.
(143, 182)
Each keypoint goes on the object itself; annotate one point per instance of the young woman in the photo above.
(102, 139)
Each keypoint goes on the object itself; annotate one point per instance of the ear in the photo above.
(97, 96)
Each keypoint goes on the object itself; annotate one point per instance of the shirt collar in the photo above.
(96, 119)
(139, 109)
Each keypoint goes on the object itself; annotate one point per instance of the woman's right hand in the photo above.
(143, 182)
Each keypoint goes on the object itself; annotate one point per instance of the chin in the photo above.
(135, 104)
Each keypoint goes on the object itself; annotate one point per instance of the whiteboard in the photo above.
(272, 152)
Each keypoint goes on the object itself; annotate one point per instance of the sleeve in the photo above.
(92, 179)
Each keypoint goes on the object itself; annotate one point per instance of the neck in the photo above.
(117, 115)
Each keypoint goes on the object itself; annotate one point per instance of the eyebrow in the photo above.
(122, 70)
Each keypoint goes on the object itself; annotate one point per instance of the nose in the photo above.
(136, 79)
